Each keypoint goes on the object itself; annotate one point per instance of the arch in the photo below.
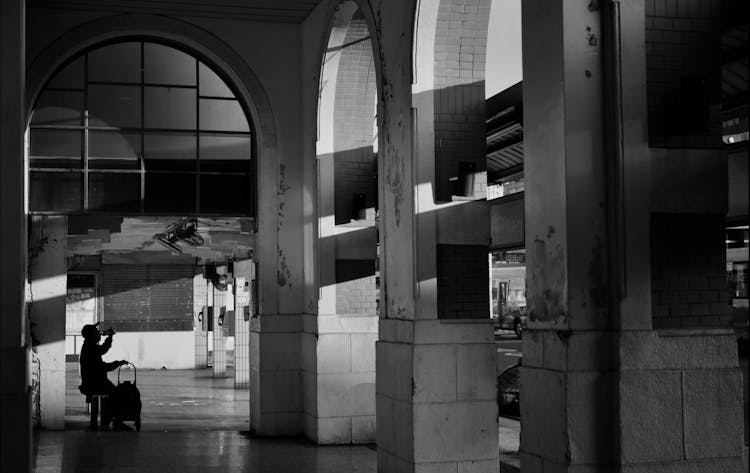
(349, 67)
(218, 55)
(343, 239)
(449, 63)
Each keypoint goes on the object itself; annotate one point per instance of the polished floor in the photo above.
(193, 422)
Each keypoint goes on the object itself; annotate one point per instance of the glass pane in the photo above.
(170, 164)
(170, 193)
(210, 84)
(64, 146)
(58, 108)
(116, 63)
(225, 146)
(69, 77)
(55, 191)
(165, 65)
(169, 107)
(224, 115)
(114, 192)
(170, 152)
(228, 195)
(115, 106)
(225, 153)
(114, 150)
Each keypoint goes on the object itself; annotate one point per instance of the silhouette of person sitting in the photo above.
(94, 373)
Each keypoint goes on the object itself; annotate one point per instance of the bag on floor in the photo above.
(128, 399)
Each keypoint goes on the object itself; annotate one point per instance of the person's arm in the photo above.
(113, 365)
(104, 347)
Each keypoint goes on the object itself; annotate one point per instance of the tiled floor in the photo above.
(195, 423)
(188, 452)
(173, 400)
(191, 422)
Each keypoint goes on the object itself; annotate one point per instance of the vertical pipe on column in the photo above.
(614, 150)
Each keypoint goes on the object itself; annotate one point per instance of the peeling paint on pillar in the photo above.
(549, 283)
(394, 164)
(284, 274)
(283, 187)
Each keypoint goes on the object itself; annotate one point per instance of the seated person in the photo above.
(94, 373)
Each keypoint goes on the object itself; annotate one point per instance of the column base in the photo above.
(339, 378)
(275, 384)
(436, 396)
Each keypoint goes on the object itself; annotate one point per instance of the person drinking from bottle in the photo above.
(94, 373)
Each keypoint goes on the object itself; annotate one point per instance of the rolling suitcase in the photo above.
(128, 399)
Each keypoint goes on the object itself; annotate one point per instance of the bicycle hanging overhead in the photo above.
(186, 230)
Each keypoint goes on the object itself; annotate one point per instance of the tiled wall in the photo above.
(462, 274)
(683, 64)
(688, 271)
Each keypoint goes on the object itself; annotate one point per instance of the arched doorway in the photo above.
(339, 376)
(142, 163)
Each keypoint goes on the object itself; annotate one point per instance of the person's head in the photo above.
(90, 333)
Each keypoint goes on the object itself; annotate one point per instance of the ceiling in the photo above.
(283, 11)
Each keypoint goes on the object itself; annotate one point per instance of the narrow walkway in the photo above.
(173, 400)
(193, 422)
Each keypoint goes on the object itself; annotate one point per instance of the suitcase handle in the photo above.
(135, 373)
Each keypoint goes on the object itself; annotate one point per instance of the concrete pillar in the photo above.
(219, 359)
(15, 400)
(275, 384)
(340, 324)
(601, 391)
(47, 293)
(435, 393)
(200, 322)
(244, 275)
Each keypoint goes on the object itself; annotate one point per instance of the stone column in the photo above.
(47, 292)
(244, 275)
(340, 321)
(15, 404)
(436, 407)
(219, 359)
(200, 312)
(601, 391)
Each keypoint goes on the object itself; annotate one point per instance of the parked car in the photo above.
(514, 320)
(508, 390)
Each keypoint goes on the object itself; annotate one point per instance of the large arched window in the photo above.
(138, 127)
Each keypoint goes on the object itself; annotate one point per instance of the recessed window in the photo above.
(141, 127)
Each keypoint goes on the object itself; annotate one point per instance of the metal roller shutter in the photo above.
(145, 298)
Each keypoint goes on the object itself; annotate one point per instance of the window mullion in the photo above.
(85, 146)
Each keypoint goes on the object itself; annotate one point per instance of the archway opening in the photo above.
(346, 246)
(142, 197)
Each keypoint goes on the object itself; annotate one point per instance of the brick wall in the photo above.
(460, 50)
(683, 67)
(688, 271)
(356, 292)
(462, 275)
(355, 168)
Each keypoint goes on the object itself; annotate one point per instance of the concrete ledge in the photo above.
(428, 331)
(276, 323)
(396, 330)
(678, 349)
(720, 465)
(344, 323)
(570, 351)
